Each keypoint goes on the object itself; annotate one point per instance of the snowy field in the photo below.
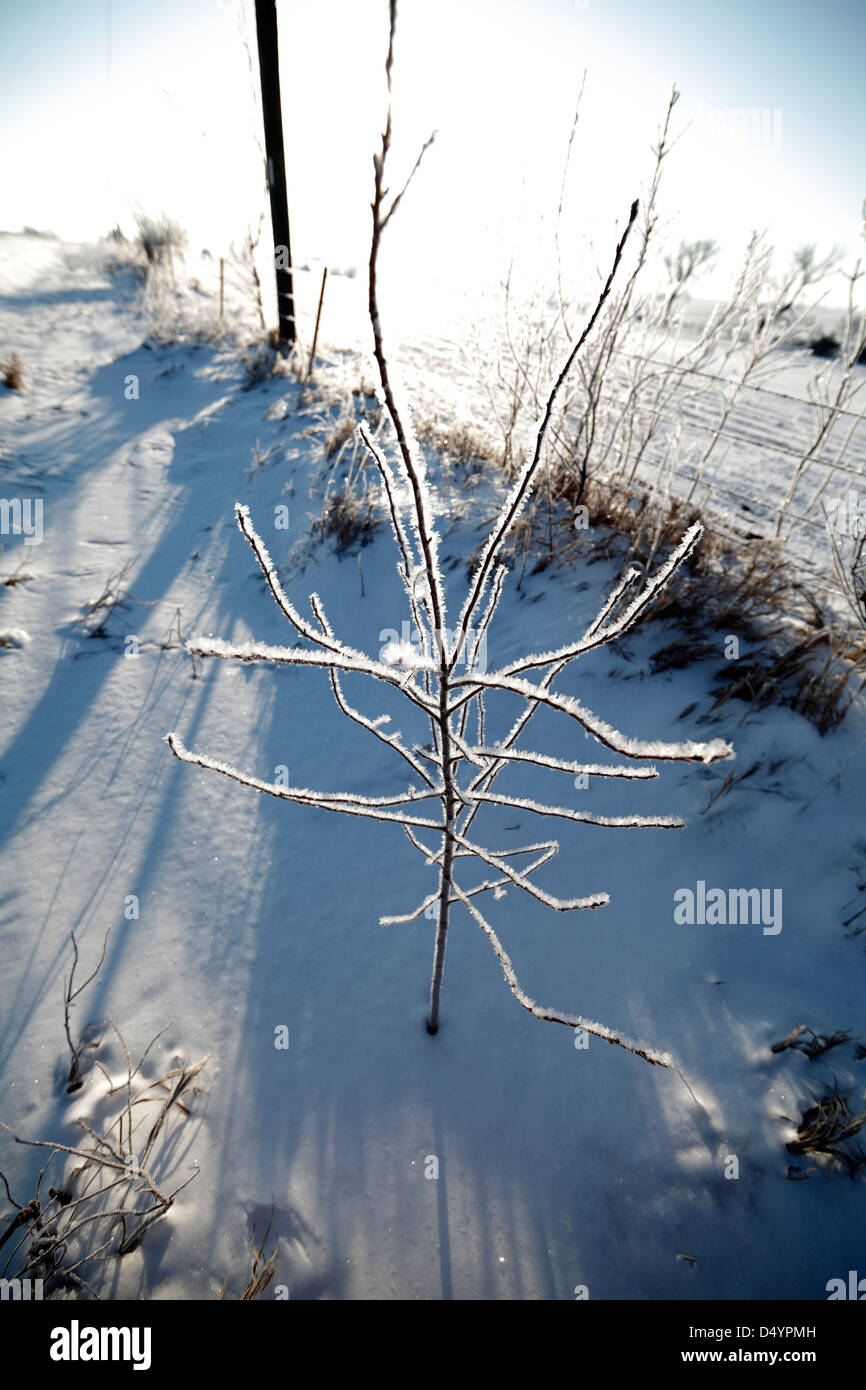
(562, 1170)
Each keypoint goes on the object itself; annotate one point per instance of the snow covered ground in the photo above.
(563, 1170)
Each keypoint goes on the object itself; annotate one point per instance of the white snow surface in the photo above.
(558, 1165)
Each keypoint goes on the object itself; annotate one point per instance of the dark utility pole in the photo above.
(269, 68)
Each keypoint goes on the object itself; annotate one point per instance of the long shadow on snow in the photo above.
(44, 735)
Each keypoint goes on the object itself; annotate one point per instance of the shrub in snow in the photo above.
(824, 345)
(159, 238)
(12, 372)
(458, 769)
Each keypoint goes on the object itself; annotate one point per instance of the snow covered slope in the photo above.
(559, 1165)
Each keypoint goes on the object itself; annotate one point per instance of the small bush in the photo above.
(828, 1127)
(260, 364)
(12, 369)
(348, 518)
(341, 435)
(824, 345)
(261, 458)
(459, 443)
(14, 637)
(159, 238)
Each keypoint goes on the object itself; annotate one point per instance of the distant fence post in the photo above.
(316, 331)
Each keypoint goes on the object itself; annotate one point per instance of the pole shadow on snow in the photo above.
(52, 725)
(53, 721)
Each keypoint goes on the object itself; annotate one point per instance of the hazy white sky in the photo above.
(108, 104)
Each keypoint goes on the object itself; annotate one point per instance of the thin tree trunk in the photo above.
(441, 933)
(448, 842)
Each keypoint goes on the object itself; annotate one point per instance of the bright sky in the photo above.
(110, 104)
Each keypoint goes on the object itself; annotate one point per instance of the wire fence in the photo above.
(744, 478)
(764, 462)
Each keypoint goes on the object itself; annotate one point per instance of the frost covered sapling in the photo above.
(456, 769)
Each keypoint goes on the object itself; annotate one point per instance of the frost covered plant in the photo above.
(458, 769)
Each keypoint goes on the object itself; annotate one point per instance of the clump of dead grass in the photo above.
(97, 612)
(100, 1207)
(350, 513)
(264, 1267)
(12, 371)
(463, 445)
(828, 1128)
(16, 577)
(349, 518)
(816, 1044)
(800, 653)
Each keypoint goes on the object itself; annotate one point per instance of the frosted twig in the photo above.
(629, 615)
(685, 751)
(404, 544)
(517, 497)
(345, 660)
(346, 803)
(268, 569)
(550, 1015)
(424, 530)
(521, 881)
(558, 765)
(392, 740)
(371, 725)
(587, 817)
(70, 994)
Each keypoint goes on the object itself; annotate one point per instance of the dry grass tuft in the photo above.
(351, 512)
(18, 576)
(261, 458)
(828, 1126)
(97, 611)
(818, 1043)
(264, 1268)
(101, 1208)
(259, 365)
(12, 370)
(457, 443)
(349, 518)
(799, 653)
(159, 238)
(340, 436)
